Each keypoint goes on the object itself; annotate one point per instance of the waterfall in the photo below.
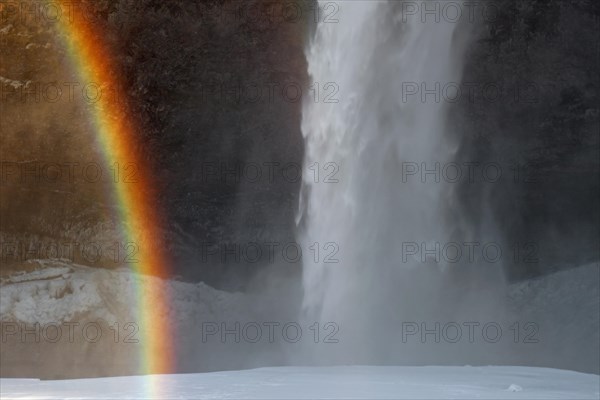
(376, 115)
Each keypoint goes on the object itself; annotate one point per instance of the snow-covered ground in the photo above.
(356, 382)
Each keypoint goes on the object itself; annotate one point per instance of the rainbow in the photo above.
(116, 132)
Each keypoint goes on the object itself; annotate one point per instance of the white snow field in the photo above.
(352, 382)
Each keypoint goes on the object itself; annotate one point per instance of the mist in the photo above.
(352, 183)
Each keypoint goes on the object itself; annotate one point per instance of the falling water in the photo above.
(361, 206)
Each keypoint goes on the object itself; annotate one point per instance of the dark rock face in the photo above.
(217, 88)
(534, 113)
(47, 201)
(222, 83)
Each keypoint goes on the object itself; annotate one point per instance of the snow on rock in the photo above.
(6, 29)
(14, 83)
(60, 292)
(566, 309)
(356, 382)
(562, 292)
(564, 305)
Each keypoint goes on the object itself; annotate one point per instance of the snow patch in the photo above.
(14, 83)
(514, 388)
